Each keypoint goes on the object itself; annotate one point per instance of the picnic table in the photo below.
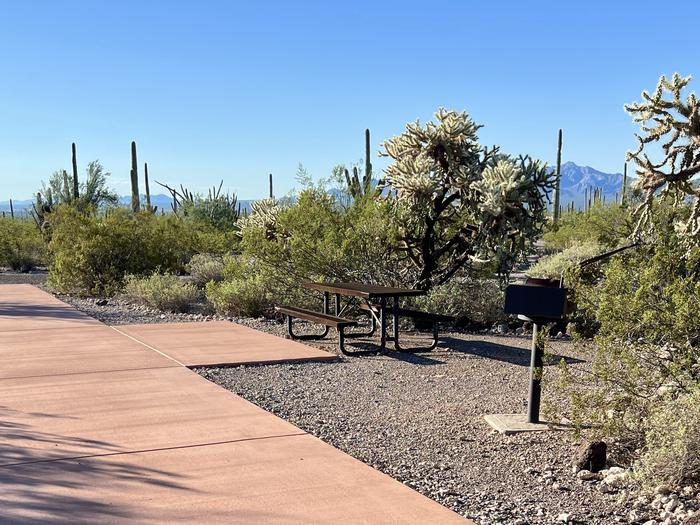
(371, 299)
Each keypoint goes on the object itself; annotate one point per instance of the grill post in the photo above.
(533, 404)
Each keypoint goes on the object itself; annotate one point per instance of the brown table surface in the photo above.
(366, 291)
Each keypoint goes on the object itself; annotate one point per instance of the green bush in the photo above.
(555, 265)
(162, 292)
(469, 299)
(205, 267)
(91, 254)
(647, 349)
(21, 246)
(671, 453)
(243, 292)
(607, 225)
(318, 239)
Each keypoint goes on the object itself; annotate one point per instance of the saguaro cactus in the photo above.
(272, 195)
(74, 160)
(557, 182)
(368, 163)
(624, 185)
(135, 199)
(148, 190)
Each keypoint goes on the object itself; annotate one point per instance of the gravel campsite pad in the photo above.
(419, 418)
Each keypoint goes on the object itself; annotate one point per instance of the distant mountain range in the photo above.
(575, 180)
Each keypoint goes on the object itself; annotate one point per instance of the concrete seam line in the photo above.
(143, 451)
(147, 346)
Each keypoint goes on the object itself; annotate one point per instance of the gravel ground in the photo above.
(419, 418)
(36, 277)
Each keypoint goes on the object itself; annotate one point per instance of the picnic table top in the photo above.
(366, 291)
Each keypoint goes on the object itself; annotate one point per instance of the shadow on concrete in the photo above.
(40, 486)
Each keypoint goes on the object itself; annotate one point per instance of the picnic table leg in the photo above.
(326, 301)
(382, 323)
(396, 333)
(337, 305)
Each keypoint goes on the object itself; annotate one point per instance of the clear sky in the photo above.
(233, 91)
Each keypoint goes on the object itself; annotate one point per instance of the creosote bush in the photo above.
(647, 352)
(91, 254)
(22, 247)
(205, 267)
(167, 293)
(671, 452)
(608, 225)
(468, 299)
(243, 292)
(555, 265)
(319, 239)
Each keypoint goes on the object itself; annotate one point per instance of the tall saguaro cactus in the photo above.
(147, 188)
(272, 195)
(624, 185)
(368, 163)
(557, 182)
(74, 160)
(135, 200)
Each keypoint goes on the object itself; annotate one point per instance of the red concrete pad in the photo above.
(221, 343)
(25, 307)
(85, 414)
(45, 352)
(298, 480)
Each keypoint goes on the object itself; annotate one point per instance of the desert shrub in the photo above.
(648, 344)
(21, 245)
(243, 292)
(91, 254)
(555, 265)
(671, 452)
(607, 225)
(468, 299)
(168, 292)
(205, 267)
(318, 239)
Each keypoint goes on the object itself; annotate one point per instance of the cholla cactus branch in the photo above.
(264, 214)
(668, 121)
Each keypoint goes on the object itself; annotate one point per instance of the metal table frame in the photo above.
(370, 295)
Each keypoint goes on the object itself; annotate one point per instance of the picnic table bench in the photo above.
(371, 299)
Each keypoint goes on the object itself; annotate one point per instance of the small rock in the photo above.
(102, 302)
(592, 456)
(587, 475)
(662, 489)
(565, 517)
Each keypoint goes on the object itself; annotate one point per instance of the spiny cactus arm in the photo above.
(673, 123)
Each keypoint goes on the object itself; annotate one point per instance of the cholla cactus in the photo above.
(673, 124)
(461, 201)
(264, 215)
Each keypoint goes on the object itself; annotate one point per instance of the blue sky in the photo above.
(233, 91)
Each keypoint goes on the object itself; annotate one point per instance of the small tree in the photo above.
(460, 202)
(673, 124)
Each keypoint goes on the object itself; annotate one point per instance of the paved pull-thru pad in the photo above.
(96, 427)
(88, 349)
(123, 411)
(220, 343)
(290, 480)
